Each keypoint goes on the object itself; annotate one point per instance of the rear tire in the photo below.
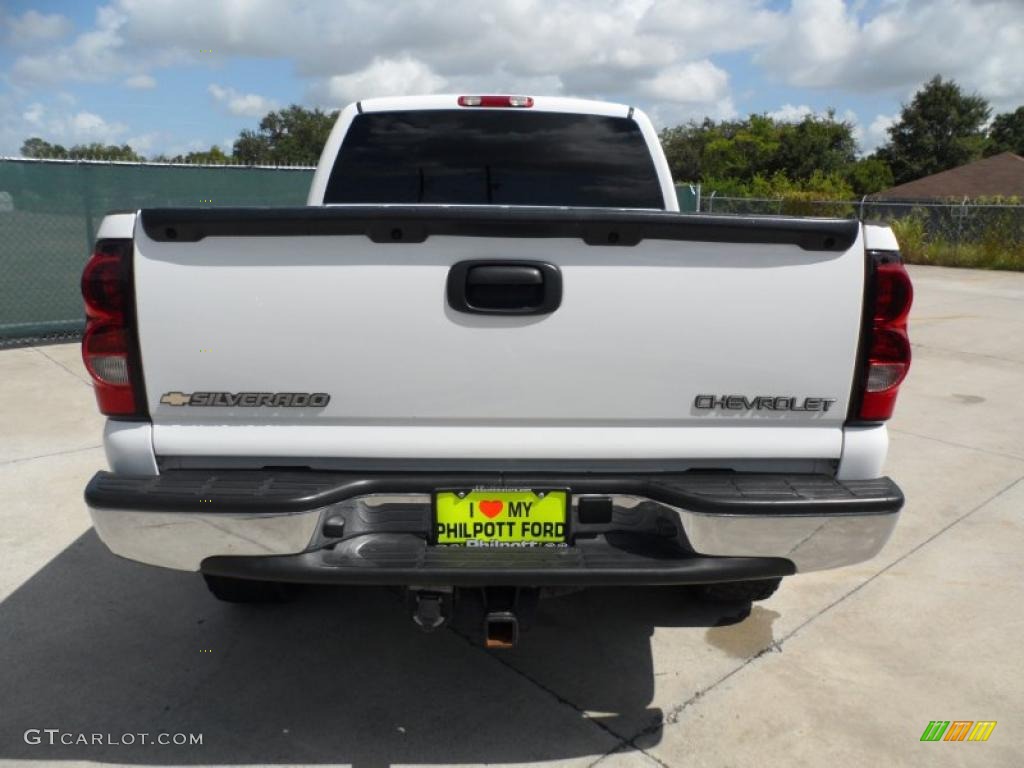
(738, 591)
(230, 590)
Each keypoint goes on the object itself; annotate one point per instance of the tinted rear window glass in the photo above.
(500, 157)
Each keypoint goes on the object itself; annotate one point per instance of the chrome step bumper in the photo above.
(662, 530)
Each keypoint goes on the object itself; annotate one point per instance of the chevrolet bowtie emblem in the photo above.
(175, 398)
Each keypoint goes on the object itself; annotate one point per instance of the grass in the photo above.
(999, 244)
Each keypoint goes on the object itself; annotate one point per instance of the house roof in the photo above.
(999, 175)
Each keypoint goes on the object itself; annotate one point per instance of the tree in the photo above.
(815, 145)
(213, 156)
(740, 150)
(1006, 134)
(941, 128)
(684, 148)
(293, 135)
(36, 147)
(869, 175)
(99, 151)
(818, 186)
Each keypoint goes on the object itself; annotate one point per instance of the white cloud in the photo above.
(12, 125)
(93, 55)
(877, 132)
(827, 45)
(789, 113)
(97, 55)
(140, 82)
(34, 114)
(692, 90)
(143, 143)
(242, 104)
(33, 27)
(664, 56)
(712, 27)
(69, 128)
(698, 82)
(153, 143)
(383, 77)
(654, 53)
(87, 123)
(820, 35)
(350, 48)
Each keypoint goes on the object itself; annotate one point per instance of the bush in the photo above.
(793, 198)
(984, 237)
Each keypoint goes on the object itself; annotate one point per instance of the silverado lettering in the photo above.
(248, 399)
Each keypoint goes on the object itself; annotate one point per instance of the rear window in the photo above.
(500, 157)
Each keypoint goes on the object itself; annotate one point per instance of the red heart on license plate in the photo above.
(491, 508)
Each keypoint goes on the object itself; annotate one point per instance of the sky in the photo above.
(171, 76)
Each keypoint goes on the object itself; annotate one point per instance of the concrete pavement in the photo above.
(840, 668)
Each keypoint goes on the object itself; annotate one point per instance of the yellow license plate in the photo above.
(500, 517)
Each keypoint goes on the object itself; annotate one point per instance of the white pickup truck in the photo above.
(489, 357)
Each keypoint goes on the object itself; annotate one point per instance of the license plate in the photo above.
(500, 517)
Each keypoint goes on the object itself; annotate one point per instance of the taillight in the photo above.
(893, 294)
(495, 101)
(887, 358)
(110, 346)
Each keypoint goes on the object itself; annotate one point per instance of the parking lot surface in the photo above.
(841, 668)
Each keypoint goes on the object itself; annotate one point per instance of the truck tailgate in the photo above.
(657, 311)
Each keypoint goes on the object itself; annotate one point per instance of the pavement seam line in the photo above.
(555, 695)
(59, 363)
(621, 749)
(776, 645)
(904, 556)
(957, 445)
(51, 455)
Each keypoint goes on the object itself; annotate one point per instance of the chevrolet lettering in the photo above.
(762, 403)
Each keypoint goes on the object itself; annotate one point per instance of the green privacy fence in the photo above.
(688, 196)
(49, 212)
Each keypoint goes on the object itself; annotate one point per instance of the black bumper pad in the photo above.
(389, 559)
(298, 491)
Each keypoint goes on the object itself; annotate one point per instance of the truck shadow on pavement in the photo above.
(97, 645)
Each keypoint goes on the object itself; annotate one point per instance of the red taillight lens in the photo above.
(888, 356)
(102, 279)
(495, 101)
(893, 294)
(109, 346)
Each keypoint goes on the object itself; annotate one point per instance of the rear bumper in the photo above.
(665, 529)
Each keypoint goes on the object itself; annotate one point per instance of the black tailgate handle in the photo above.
(505, 287)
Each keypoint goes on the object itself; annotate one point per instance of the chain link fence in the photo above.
(967, 233)
(50, 210)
